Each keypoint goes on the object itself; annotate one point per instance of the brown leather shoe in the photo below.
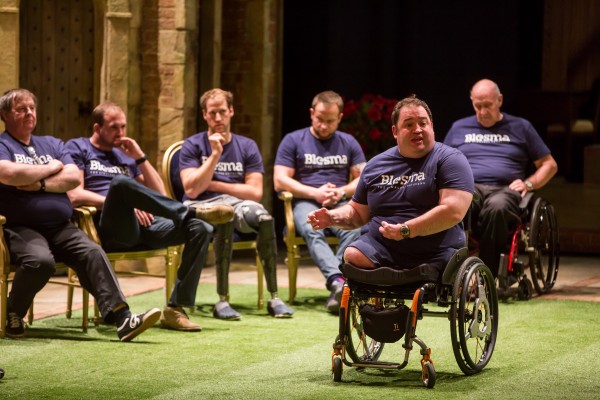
(176, 318)
(218, 214)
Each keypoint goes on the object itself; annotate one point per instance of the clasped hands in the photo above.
(328, 195)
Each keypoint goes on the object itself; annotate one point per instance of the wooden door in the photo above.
(57, 64)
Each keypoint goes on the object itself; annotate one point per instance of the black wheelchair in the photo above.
(374, 311)
(537, 237)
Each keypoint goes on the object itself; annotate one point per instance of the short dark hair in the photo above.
(411, 100)
(328, 97)
(8, 99)
(101, 109)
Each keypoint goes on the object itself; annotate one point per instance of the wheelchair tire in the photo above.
(543, 239)
(337, 369)
(473, 316)
(359, 346)
(428, 375)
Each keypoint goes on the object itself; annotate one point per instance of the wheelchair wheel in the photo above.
(337, 369)
(359, 346)
(543, 260)
(473, 316)
(428, 376)
(525, 291)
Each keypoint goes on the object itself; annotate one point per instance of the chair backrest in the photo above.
(170, 170)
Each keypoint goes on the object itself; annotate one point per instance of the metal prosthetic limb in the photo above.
(266, 246)
(223, 250)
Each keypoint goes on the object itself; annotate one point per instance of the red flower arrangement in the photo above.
(369, 121)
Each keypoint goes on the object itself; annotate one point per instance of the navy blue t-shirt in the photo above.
(240, 156)
(500, 154)
(398, 189)
(33, 209)
(317, 162)
(100, 167)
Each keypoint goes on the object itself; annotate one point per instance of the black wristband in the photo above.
(141, 160)
(42, 185)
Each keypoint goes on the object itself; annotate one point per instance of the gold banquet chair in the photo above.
(170, 174)
(295, 244)
(6, 268)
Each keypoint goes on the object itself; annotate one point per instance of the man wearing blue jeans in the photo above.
(119, 180)
(314, 164)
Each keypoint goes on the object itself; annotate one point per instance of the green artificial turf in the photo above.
(546, 349)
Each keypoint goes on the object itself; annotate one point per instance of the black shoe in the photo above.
(15, 327)
(136, 324)
(333, 303)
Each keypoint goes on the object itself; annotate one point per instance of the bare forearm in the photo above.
(152, 178)
(13, 174)
(298, 189)
(240, 190)
(346, 217)
(83, 197)
(196, 180)
(66, 179)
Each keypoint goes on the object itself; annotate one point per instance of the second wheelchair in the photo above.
(537, 237)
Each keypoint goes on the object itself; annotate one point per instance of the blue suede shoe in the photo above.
(278, 309)
(224, 311)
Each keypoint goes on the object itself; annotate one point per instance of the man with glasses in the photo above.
(314, 164)
(35, 174)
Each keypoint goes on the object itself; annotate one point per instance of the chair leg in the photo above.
(3, 299)
(70, 289)
(84, 312)
(292, 264)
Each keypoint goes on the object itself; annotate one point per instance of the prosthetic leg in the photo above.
(223, 250)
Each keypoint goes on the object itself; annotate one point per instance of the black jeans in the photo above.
(120, 230)
(496, 215)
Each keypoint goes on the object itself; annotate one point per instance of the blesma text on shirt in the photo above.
(23, 159)
(96, 166)
(486, 138)
(316, 160)
(391, 180)
(226, 166)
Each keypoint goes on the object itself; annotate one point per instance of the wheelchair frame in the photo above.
(467, 287)
(538, 237)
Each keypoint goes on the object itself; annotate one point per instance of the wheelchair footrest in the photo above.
(379, 364)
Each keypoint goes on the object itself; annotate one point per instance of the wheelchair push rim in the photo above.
(473, 316)
(359, 346)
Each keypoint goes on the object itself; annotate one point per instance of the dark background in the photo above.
(435, 49)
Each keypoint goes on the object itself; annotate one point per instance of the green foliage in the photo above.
(546, 350)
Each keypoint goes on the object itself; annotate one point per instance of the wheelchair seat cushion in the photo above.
(385, 276)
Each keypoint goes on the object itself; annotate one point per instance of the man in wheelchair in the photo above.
(501, 149)
(413, 198)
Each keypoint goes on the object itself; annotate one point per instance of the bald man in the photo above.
(502, 150)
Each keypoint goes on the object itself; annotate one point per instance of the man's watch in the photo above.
(404, 231)
(343, 198)
(528, 185)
